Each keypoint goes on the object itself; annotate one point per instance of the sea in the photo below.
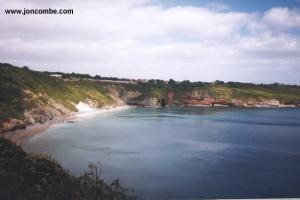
(184, 152)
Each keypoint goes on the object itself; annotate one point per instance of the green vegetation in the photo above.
(14, 82)
(22, 89)
(38, 177)
(286, 94)
(35, 176)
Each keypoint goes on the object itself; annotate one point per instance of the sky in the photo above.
(254, 41)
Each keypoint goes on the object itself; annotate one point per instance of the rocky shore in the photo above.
(40, 118)
(31, 100)
(19, 135)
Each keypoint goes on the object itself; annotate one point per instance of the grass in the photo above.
(14, 81)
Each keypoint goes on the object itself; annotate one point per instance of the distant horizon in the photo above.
(230, 40)
(136, 79)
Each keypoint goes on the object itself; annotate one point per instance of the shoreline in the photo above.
(21, 136)
(105, 109)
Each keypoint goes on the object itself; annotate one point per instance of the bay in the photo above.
(185, 152)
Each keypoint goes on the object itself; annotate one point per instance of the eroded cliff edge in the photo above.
(28, 97)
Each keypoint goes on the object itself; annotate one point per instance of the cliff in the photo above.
(29, 97)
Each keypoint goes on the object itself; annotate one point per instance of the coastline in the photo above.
(105, 109)
(21, 136)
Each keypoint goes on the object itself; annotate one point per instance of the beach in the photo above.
(21, 136)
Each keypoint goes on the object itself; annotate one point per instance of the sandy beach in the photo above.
(21, 136)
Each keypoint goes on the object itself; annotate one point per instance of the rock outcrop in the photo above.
(11, 125)
(29, 97)
(150, 101)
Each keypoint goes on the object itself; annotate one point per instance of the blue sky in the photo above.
(237, 5)
(232, 40)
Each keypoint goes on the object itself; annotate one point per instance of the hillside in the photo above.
(41, 177)
(29, 97)
(34, 97)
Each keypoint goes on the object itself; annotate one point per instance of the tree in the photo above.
(95, 171)
(185, 83)
(217, 82)
(26, 68)
(171, 83)
(151, 81)
(97, 77)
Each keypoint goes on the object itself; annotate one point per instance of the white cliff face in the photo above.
(83, 107)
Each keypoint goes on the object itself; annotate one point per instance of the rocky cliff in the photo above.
(29, 97)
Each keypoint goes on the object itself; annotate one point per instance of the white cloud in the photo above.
(282, 17)
(139, 39)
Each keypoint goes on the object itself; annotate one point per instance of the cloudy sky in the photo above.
(231, 40)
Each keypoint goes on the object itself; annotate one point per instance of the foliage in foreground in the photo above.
(37, 177)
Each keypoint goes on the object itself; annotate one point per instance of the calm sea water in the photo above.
(185, 152)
